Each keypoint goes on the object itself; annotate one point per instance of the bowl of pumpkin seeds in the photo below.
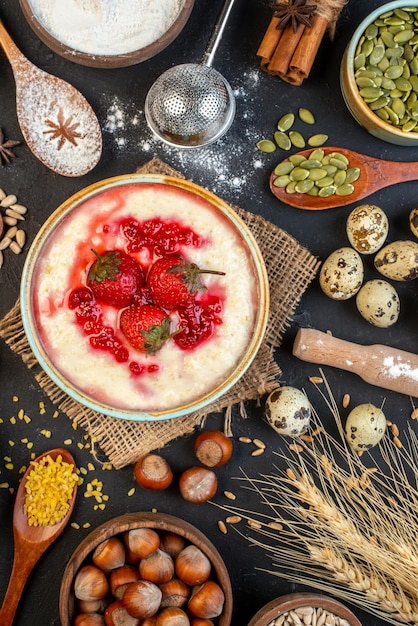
(379, 73)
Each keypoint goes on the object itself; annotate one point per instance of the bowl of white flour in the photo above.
(107, 33)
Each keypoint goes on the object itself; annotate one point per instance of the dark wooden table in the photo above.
(234, 169)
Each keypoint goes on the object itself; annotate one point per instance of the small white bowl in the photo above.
(355, 103)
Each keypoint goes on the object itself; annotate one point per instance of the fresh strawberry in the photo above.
(172, 281)
(146, 327)
(114, 278)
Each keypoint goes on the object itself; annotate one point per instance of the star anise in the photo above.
(293, 12)
(63, 130)
(5, 153)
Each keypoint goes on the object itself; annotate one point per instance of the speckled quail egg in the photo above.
(398, 260)
(367, 228)
(341, 274)
(378, 302)
(288, 411)
(413, 221)
(365, 427)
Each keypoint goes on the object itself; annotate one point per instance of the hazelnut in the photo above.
(207, 600)
(175, 593)
(213, 448)
(90, 583)
(120, 578)
(172, 616)
(153, 472)
(192, 566)
(140, 543)
(142, 599)
(172, 543)
(198, 484)
(109, 554)
(157, 568)
(89, 619)
(117, 615)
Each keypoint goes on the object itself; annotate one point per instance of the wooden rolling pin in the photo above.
(378, 365)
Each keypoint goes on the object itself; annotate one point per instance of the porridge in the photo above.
(85, 337)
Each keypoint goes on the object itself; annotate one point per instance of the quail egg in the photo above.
(413, 221)
(378, 302)
(288, 411)
(398, 260)
(365, 427)
(367, 228)
(341, 274)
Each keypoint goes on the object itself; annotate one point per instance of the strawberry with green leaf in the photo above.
(114, 277)
(146, 327)
(173, 280)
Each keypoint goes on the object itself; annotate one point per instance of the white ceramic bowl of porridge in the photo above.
(107, 33)
(148, 217)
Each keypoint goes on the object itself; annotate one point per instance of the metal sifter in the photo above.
(192, 105)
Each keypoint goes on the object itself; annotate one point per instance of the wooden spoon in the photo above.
(375, 174)
(57, 122)
(30, 542)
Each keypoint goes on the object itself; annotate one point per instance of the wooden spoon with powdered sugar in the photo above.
(57, 122)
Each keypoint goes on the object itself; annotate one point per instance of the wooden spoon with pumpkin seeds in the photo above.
(373, 174)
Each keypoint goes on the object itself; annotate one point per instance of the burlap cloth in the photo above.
(290, 269)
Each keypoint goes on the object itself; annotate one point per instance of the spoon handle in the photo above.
(392, 172)
(16, 58)
(22, 567)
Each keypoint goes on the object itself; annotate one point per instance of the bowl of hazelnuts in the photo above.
(148, 569)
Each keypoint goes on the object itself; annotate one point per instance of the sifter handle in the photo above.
(217, 33)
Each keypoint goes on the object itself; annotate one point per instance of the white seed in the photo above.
(14, 214)
(20, 237)
(5, 243)
(19, 208)
(229, 495)
(10, 221)
(15, 248)
(233, 519)
(346, 400)
(244, 439)
(11, 232)
(257, 452)
(8, 200)
(259, 443)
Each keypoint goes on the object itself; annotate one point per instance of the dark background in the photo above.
(234, 169)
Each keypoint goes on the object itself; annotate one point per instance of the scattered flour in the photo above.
(106, 27)
(225, 165)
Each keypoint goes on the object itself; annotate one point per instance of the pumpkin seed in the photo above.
(310, 164)
(282, 181)
(394, 71)
(326, 192)
(286, 122)
(282, 140)
(317, 173)
(316, 155)
(352, 174)
(304, 186)
(299, 173)
(306, 116)
(297, 139)
(377, 54)
(291, 187)
(296, 159)
(266, 145)
(339, 178)
(283, 168)
(344, 190)
(317, 140)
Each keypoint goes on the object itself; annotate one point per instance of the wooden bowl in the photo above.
(158, 522)
(106, 60)
(355, 103)
(271, 611)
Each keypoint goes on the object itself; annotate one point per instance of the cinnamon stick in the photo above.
(305, 53)
(270, 40)
(279, 62)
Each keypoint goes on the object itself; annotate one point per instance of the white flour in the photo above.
(224, 167)
(106, 27)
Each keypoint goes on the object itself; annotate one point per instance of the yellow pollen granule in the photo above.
(49, 488)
